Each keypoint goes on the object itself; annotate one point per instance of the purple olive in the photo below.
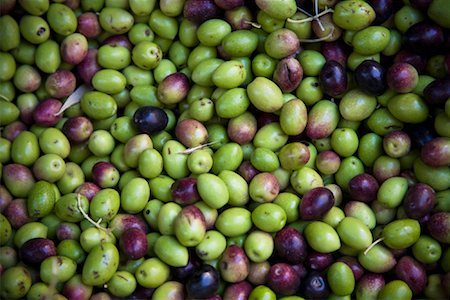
(363, 187)
(150, 119)
(35, 250)
(133, 243)
(333, 78)
(184, 191)
(290, 245)
(45, 113)
(283, 279)
(316, 203)
(203, 283)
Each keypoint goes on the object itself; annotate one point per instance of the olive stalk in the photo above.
(373, 245)
(87, 217)
(190, 150)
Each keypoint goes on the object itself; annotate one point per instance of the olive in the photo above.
(150, 119)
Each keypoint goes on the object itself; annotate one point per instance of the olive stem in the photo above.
(74, 98)
(373, 245)
(318, 39)
(304, 11)
(190, 150)
(86, 216)
(312, 18)
(256, 25)
(4, 97)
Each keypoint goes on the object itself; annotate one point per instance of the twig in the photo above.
(324, 38)
(4, 97)
(312, 18)
(190, 150)
(256, 25)
(87, 217)
(373, 245)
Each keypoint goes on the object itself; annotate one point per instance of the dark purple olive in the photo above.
(228, 4)
(118, 40)
(88, 25)
(412, 272)
(133, 243)
(5, 198)
(283, 279)
(184, 191)
(363, 187)
(419, 200)
(437, 91)
(419, 61)
(203, 283)
(265, 118)
(424, 37)
(333, 78)
(7, 6)
(184, 272)
(290, 245)
(78, 129)
(122, 222)
(88, 189)
(421, 134)
(336, 50)
(316, 203)
(370, 76)
(384, 9)
(301, 270)
(421, 4)
(45, 113)
(436, 153)
(35, 250)
(198, 11)
(17, 213)
(315, 286)
(353, 263)
(12, 130)
(439, 226)
(87, 68)
(247, 170)
(141, 293)
(150, 119)
(318, 261)
(237, 291)
(60, 84)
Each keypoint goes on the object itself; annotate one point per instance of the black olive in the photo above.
(150, 119)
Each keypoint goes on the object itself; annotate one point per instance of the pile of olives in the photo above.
(224, 149)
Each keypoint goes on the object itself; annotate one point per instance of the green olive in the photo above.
(401, 234)
(62, 19)
(9, 33)
(322, 237)
(269, 217)
(341, 279)
(115, 20)
(101, 264)
(16, 282)
(234, 221)
(353, 14)
(170, 251)
(354, 233)
(65, 270)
